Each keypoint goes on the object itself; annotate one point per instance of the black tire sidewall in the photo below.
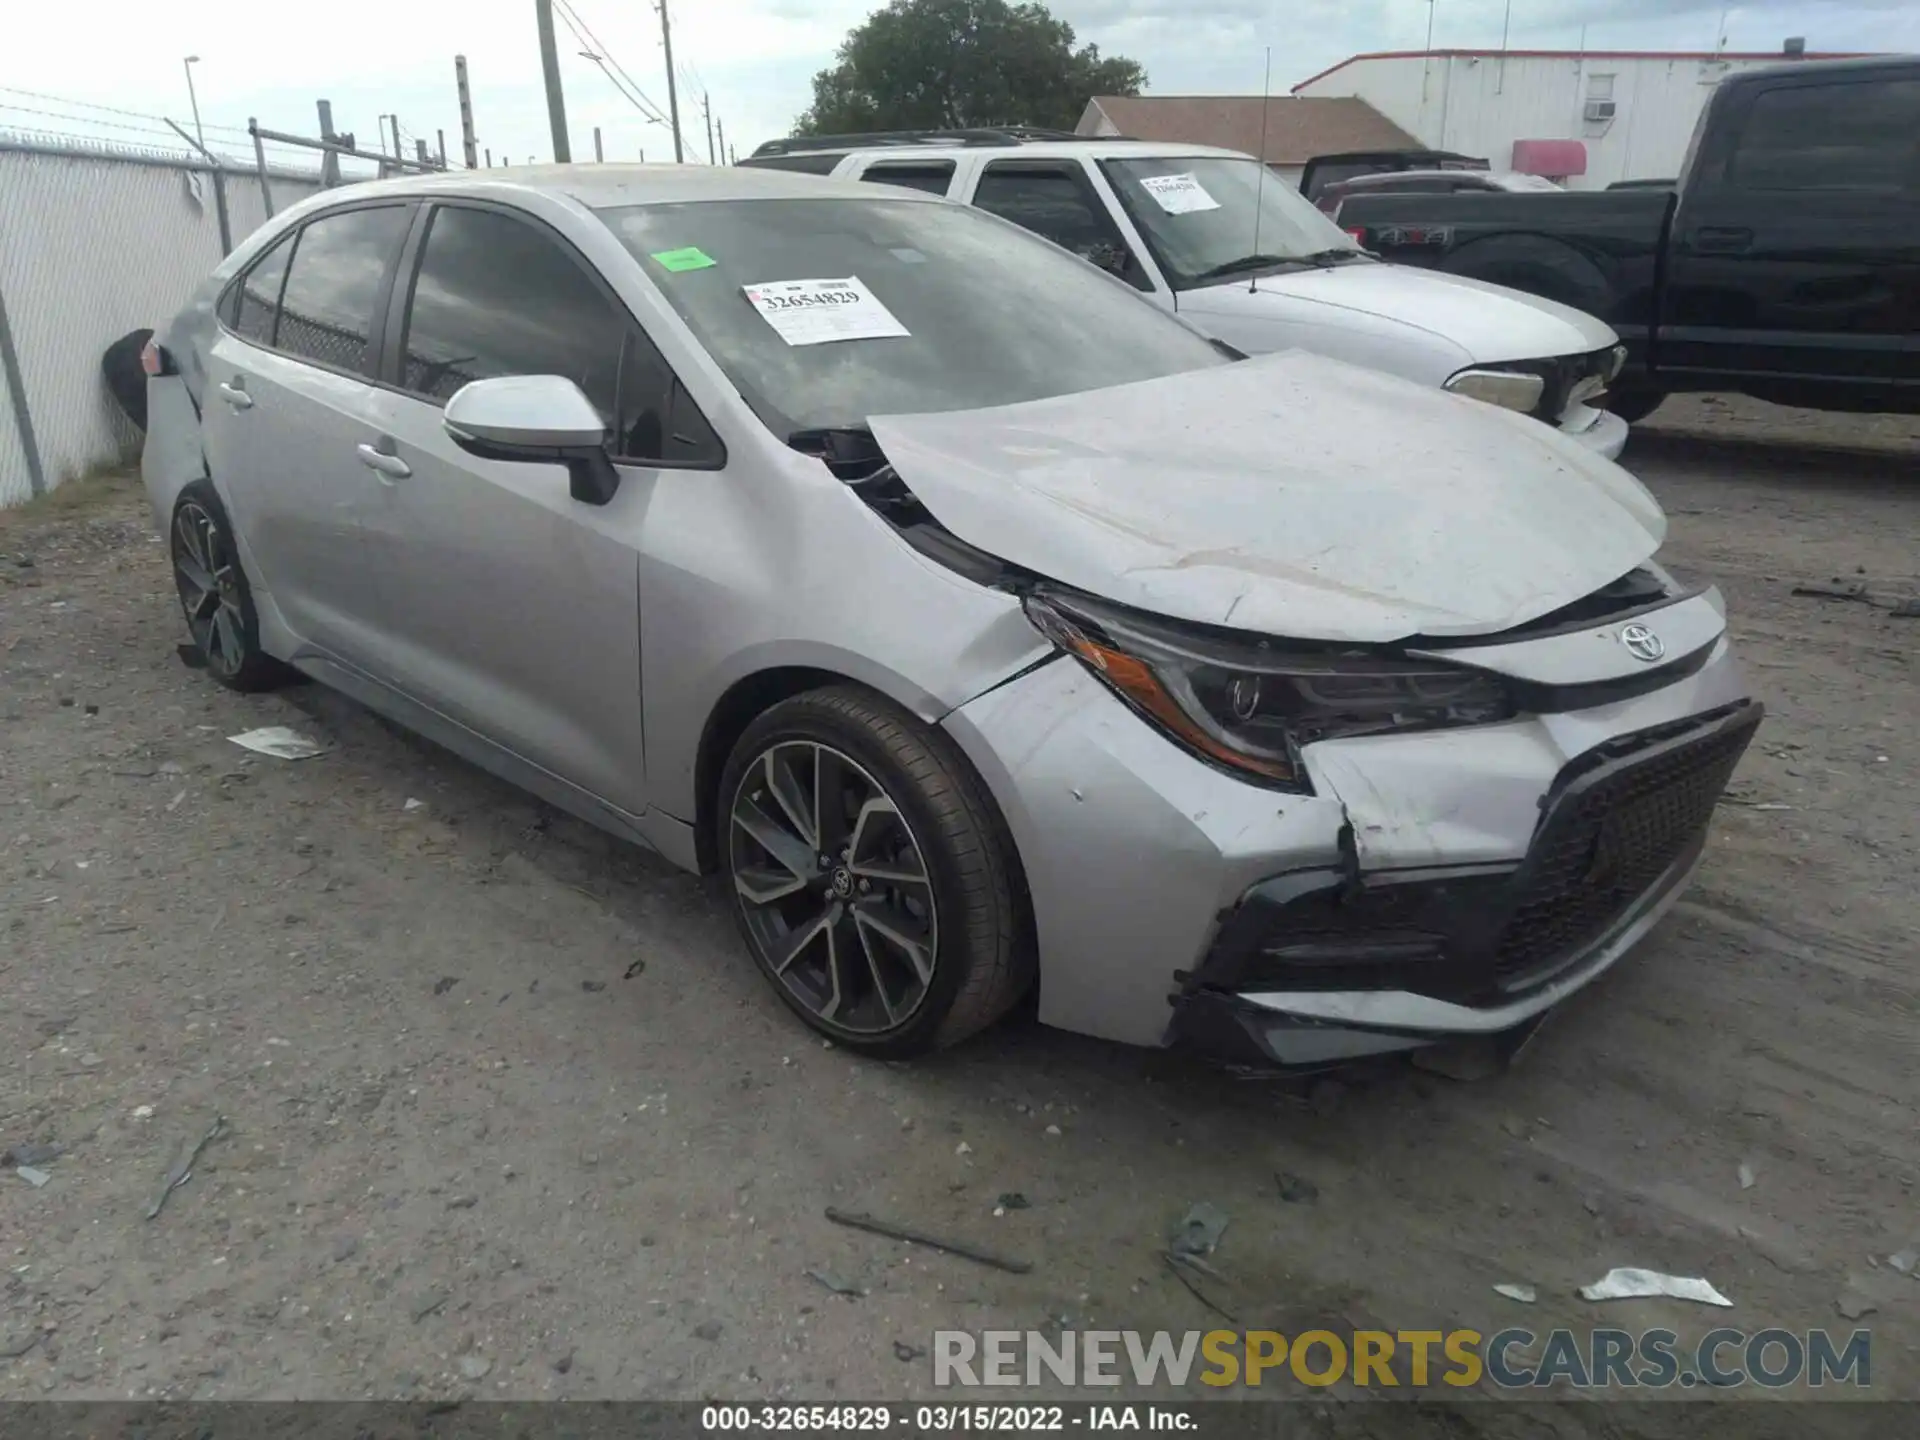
(803, 719)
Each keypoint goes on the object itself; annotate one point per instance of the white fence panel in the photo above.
(91, 247)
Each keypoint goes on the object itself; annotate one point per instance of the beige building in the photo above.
(1286, 131)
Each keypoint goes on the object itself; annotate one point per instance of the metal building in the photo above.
(1584, 118)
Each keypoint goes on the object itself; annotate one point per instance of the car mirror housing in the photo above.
(537, 419)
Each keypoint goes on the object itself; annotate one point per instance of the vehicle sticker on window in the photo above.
(814, 312)
(688, 258)
(1178, 194)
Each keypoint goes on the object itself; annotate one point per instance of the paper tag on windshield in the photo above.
(814, 312)
(1178, 194)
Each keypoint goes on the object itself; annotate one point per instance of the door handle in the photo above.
(384, 463)
(238, 398)
(1722, 239)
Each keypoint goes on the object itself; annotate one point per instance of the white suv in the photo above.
(1249, 260)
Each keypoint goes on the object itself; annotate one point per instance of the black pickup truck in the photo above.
(1784, 262)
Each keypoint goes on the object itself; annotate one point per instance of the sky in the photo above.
(112, 69)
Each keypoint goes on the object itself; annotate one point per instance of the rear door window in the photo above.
(337, 278)
(1859, 135)
(496, 296)
(932, 176)
(1058, 202)
(253, 301)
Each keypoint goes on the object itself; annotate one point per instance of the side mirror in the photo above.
(542, 419)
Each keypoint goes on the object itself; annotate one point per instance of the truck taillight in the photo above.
(1358, 235)
(155, 360)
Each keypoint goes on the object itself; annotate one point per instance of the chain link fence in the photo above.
(97, 240)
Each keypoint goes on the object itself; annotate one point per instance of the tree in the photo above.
(953, 64)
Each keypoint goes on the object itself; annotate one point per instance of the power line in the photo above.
(583, 32)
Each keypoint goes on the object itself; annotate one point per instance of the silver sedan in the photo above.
(981, 625)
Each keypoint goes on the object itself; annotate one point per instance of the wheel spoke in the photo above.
(787, 850)
(873, 969)
(193, 572)
(836, 977)
(831, 777)
(228, 627)
(875, 812)
(762, 885)
(791, 795)
(800, 937)
(916, 952)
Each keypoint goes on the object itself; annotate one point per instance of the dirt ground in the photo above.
(508, 1113)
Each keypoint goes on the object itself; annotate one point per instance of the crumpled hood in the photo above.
(1289, 495)
(1490, 322)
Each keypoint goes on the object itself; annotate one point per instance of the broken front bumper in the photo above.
(1443, 869)
(1321, 966)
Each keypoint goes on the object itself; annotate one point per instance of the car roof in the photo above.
(609, 186)
(1092, 145)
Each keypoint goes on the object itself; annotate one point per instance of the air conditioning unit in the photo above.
(1599, 111)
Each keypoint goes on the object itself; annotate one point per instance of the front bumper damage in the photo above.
(1327, 965)
(1435, 885)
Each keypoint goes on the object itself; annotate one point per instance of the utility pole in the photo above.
(550, 67)
(673, 90)
(721, 126)
(706, 106)
(489, 157)
(420, 152)
(599, 155)
(440, 136)
(329, 162)
(467, 147)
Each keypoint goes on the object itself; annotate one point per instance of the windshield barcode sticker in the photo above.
(814, 312)
(1178, 194)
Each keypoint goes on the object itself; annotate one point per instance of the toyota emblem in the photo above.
(1641, 643)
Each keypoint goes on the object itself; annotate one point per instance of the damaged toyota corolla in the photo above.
(982, 626)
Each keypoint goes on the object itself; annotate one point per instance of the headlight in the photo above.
(1509, 389)
(1250, 706)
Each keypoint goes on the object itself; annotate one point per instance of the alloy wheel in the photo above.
(833, 887)
(208, 578)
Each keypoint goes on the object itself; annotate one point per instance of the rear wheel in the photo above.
(214, 593)
(870, 875)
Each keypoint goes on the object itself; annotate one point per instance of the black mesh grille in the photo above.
(1606, 842)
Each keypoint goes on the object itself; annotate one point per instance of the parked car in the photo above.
(1325, 170)
(1214, 237)
(1428, 182)
(977, 623)
(1783, 263)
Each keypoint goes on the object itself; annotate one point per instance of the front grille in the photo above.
(1609, 838)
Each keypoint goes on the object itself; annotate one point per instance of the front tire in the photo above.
(214, 594)
(871, 875)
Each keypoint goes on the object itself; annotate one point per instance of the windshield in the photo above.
(1198, 214)
(934, 307)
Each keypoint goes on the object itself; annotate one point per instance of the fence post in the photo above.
(260, 159)
(220, 209)
(17, 390)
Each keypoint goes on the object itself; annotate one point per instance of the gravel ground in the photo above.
(508, 1114)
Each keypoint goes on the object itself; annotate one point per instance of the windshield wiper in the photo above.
(1336, 255)
(1242, 265)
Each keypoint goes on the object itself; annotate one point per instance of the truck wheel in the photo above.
(1635, 405)
(871, 875)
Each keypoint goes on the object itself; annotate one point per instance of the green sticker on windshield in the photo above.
(690, 258)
